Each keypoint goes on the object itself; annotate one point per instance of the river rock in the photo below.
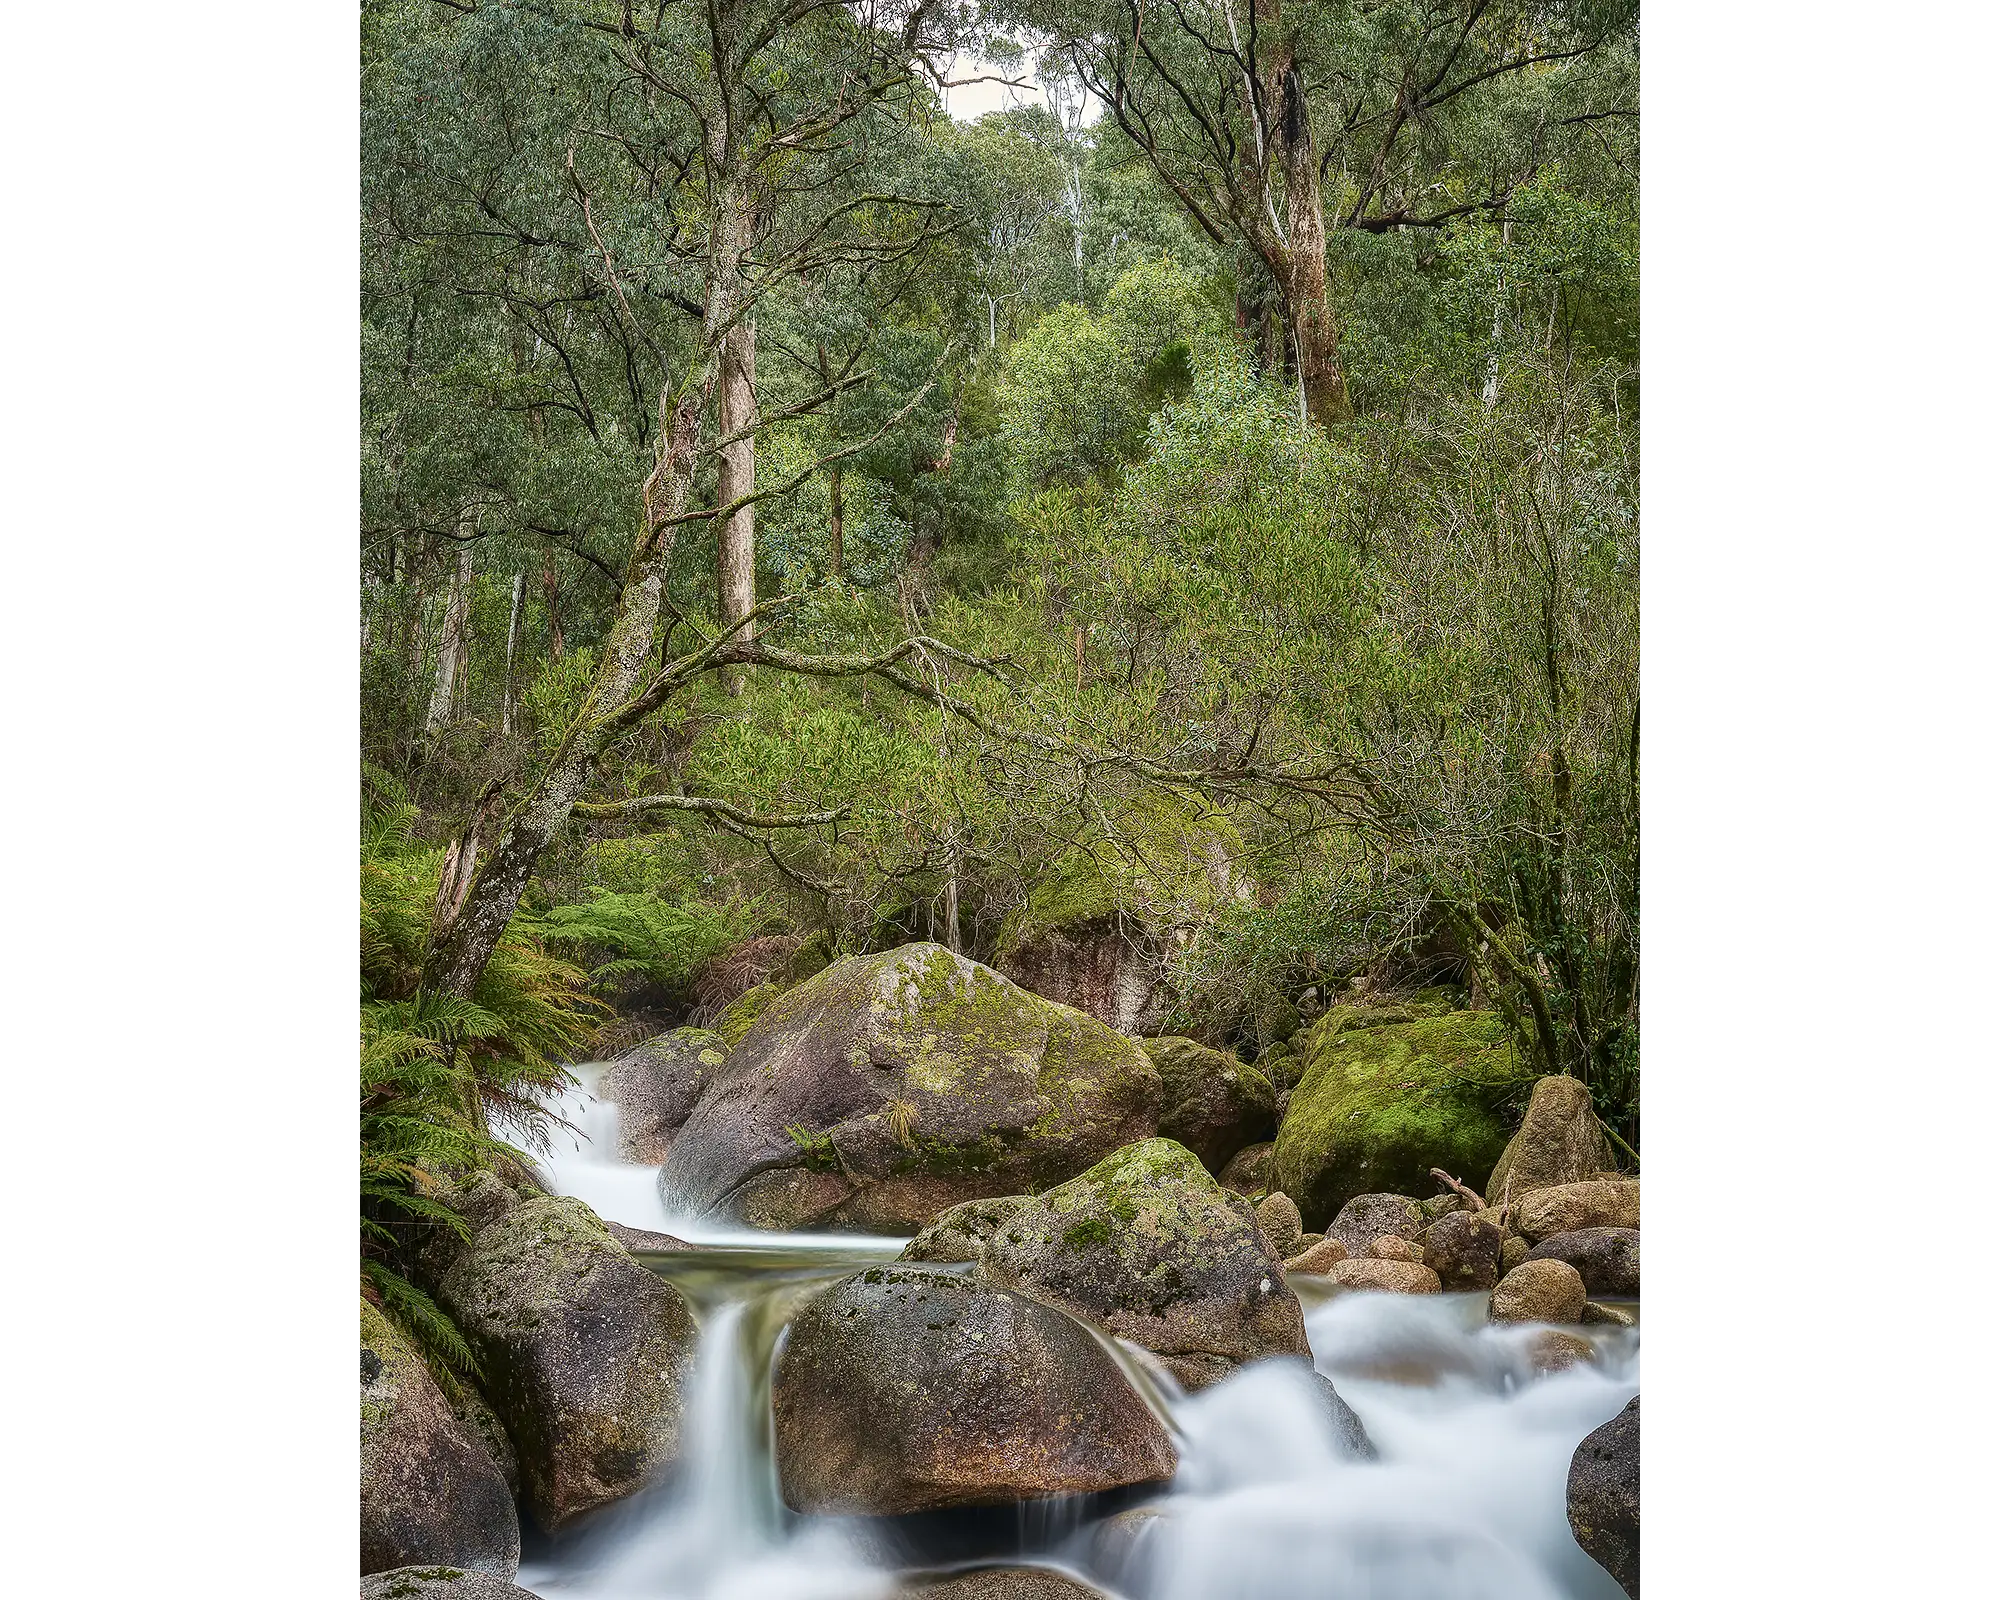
(1610, 1316)
(584, 1349)
(1393, 1247)
(1513, 1251)
(429, 1489)
(1463, 1249)
(1539, 1291)
(1604, 1497)
(440, 1583)
(1385, 1096)
(1608, 1258)
(1366, 1217)
(1603, 1203)
(1553, 1350)
(912, 1388)
(1388, 1277)
(1147, 1246)
(1320, 1258)
(1343, 1419)
(1559, 1141)
(655, 1086)
(1210, 1102)
(1279, 1219)
(1248, 1172)
(1006, 1583)
(889, 1087)
(960, 1234)
(644, 1241)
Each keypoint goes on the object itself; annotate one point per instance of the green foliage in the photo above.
(646, 936)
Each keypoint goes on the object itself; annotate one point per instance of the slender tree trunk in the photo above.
(736, 470)
(836, 541)
(451, 645)
(513, 646)
(1315, 331)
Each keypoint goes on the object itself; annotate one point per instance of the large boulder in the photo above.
(1366, 1217)
(1248, 1172)
(1607, 1203)
(1539, 1291)
(1210, 1102)
(1148, 1246)
(960, 1234)
(1383, 1100)
(1604, 1497)
(888, 1087)
(1608, 1258)
(430, 1491)
(440, 1583)
(1463, 1250)
(584, 1350)
(912, 1388)
(655, 1086)
(1559, 1141)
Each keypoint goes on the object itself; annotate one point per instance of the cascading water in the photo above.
(1466, 1500)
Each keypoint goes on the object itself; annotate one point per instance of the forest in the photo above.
(1169, 541)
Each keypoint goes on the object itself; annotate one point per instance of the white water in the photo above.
(1465, 1503)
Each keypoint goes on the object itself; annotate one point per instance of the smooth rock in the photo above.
(1147, 1246)
(655, 1086)
(1559, 1141)
(430, 1492)
(1463, 1249)
(1279, 1219)
(584, 1349)
(1388, 1277)
(1553, 1350)
(1599, 1203)
(1366, 1217)
(1604, 1497)
(440, 1583)
(960, 1234)
(1539, 1291)
(1210, 1102)
(1393, 1247)
(1248, 1171)
(890, 1087)
(911, 1388)
(1611, 1316)
(1320, 1258)
(1608, 1258)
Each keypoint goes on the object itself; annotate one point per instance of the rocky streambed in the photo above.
(1102, 1353)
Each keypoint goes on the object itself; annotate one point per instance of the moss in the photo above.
(741, 1014)
(1386, 1096)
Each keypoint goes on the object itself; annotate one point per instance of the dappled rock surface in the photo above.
(889, 1087)
(1463, 1249)
(429, 1489)
(1005, 1583)
(1279, 1219)
(584, 1351)
(1393, 1247)
(1319, 1258)
(911, 1388)
(655, 1086)
(1366, 1217)
(1248, 1172)
(1386, 1277)
(1559, 1141)
(1607, 1203)
(1385, 1096)
(1608, 1258)
(644, 1241)
(960, 1234)
(1539, 1291)
(1210, 1102)
(1604, 1497)
(1146, 1245)
(1553, 1350)
(440, 1583)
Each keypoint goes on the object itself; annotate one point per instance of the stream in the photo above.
(1465, 1503)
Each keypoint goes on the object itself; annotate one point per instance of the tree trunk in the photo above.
(451, 646)
(513, 645)
(1315, 332)
(836, 540)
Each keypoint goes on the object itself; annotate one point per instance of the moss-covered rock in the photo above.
(430, 1492)
(1383, 1100)
(960, 1234)
(584, 1350)
(1078, 938)
(1248, 1172)
(909, 1388)
(741, 1014)
(892, 1086)
(655, 1086)
(1210, 1102)
(1148, 1246)
(1559, 1141)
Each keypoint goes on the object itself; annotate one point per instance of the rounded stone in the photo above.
(1279, 1219)
(1608, 1258)
(1539, 1291)
(1600, 1203)
(1463, 1249)
(1366, 1217)
(1248, 1172)
(1391, 1247)
(1604, 1497)
(655, 1086)
(1559, 1141)
(1320, 1258)
(1210, 1102)
(1388, 1277)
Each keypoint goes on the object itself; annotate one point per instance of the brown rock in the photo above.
(1553, 1350)
(1604, 1497)
(1210, 1102)
(1600, 1203)
(1248, 1171)
(1392, 1247)
(1608, 1258)
(1279, 1219)
(439, 1583)
(910, 1388)
(1539, 1291)
(1463, 1249)
(1559, 1142)
(1611, 1316)
(1366, 1217)
(1390, 1277)
(1320, 1258)
(1006, 1583)
(1513, 1251)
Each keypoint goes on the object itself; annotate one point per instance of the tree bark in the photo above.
(736, 475)
(1315, 330)
(836, 540)
(513, 646)
(451, 645)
